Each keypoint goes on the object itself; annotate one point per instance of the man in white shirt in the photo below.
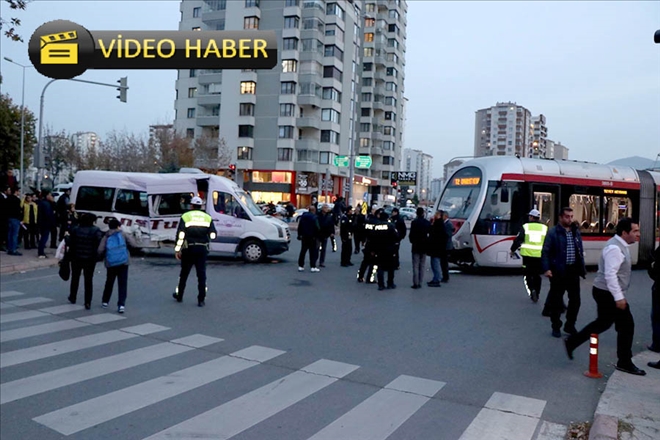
(610, 287)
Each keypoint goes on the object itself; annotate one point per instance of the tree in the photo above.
(60, 155)
(10, 135)
(14, 22)
(211, 154)
(174, 151)
(415, 200)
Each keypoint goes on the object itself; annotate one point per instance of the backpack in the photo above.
(116, 252)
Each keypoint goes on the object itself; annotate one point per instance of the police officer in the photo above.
(385, 240)
(194, 233)
(369, 265)
(346, 234)
(530, 241)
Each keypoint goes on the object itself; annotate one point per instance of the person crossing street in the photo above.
(194, 233)
(530, 242)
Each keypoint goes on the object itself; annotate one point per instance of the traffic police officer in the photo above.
(530, 241)
(194, 234)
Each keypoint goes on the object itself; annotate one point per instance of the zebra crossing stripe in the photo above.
(383, 413)
(234, 417)
(506, 416)
(52, 327)
(56, 310)
(51, 380)
(4, 306)
(95, 411)
(28, 301)
(67, 346)
(30, 314)
(10, 294)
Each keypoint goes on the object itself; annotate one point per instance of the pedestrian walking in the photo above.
(61, 211)
(530, 242)
(401, 230)
(193, 236)
(346, 233)
(419, 238)
(327, 231)
(437, 247)
(385, 239)
(308, 234)
(358, 227)
(609, 291)
(46, 220)
(562, 260)
(82, 250)
(15, 216)
(30, 213)
(114, 249)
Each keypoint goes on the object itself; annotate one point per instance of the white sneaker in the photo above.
(120, 309)
(316, 269)
(301, 269)
(104, 305)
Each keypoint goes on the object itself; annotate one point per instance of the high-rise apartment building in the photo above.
(436, 189)
(503, 130)
(84, 141)
(555, 150)
(538, 147)
(422, 163)
(337, 89)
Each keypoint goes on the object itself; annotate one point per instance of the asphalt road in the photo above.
(474, 337)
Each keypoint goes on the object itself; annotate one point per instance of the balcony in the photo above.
(378, 105)
(209, 78)
(307, 144)
(364, 151)
(312, 100)
(210, 15)
(208, 121)
(312, 56)
(380, 76)
(212, 99)
(309, 122)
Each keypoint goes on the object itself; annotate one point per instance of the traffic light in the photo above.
(232, 167)
(123, 89)
(395, 184)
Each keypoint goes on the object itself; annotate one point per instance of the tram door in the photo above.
(545, 198)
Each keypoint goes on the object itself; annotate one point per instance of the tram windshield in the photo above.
(461, 194)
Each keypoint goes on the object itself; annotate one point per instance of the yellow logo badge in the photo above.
(54, 51)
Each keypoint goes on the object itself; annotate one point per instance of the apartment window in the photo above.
(251, 23)
(190, 133)
(390, 116)
(197, 28)
(369, 37)
(368, 51)
(288, 88)
(251, 3)
(334, 51)
(246, 131)
(366, 97)
(287, 110)
(393, 57)
(313, 23)
(307, 156)
(244, 153)
(332, 72)
(370, 7)
(390, 86)
(288, 3)
(333, 29)
(366, 111)
(192, 73)
(197, 12)
(285, 154)
(391, 42)
(335, 9)
(312, 45)
(324, 157)
(390, 101)
(310, 89)
(248, 87)
(332, 94)
(330, 136)
(393, 14)
(289, 66)
(369, 22)
(286, 131)
(215, 110)
(190, 113)
(290, 44)
(388, 145)
(246, 109)
(365, 142)
(328, 114)
(391, 71)
(192, 92)
(219, 25)
(389, 131)
(216, 5)
(393, 28)
(388, 160)
(291, 22)
(365, 127)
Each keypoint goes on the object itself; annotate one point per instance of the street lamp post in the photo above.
(22, 121)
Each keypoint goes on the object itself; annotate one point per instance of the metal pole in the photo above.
(40, 144)
(351, 174)
(23, 133)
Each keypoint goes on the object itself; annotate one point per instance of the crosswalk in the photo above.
(381, 413)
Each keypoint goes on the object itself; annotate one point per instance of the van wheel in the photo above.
(253, 251)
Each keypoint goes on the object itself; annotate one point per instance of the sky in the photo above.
(590, 67)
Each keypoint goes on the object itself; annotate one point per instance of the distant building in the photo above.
(436, 188)
(555, 150)
(83, 141)
(450, 167)
(502, 130)
(538, 147)
(153, 129)
(422, 163)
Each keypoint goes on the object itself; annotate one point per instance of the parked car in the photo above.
(298, 213)
(408, 213)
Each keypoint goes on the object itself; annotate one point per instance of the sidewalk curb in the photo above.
(27, 266)
(604, 428)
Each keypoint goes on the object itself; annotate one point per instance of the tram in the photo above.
(488, 200)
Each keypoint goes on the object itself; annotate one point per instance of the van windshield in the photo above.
(247, 201)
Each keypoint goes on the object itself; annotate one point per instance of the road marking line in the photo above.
(10, 293)
(28, 301)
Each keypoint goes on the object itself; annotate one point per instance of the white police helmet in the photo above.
(196, 201)
(534, 213)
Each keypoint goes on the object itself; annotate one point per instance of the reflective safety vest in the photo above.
(196, 228)
(534, 237)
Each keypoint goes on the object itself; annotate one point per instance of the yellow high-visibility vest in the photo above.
(534, 237)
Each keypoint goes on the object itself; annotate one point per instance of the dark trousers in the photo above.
(655, 315)
(569, 282)
(533, 271)
(333, 242)
(366, 267)
(121, 274)
(357, 239)
(63, 226)
(4, 231)
(30, 236)
(323, 247)
(419, 264)
(86, 268)
(12, 235)
(385, 265)
(53, 237)
(310, 244)
(396, 256)
(609, 314)
(193, 256)
(346, 251)
(44, 233)
(444, 266)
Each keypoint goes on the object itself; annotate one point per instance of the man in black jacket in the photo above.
(346, 234)
(327, 230)
(385, 240)
(62, 212)
(46, 220)
(401, 229)
(419, 238)
(308, 234)
(83, 244)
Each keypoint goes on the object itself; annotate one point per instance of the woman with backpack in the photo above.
(114, 247)
(83, 243)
